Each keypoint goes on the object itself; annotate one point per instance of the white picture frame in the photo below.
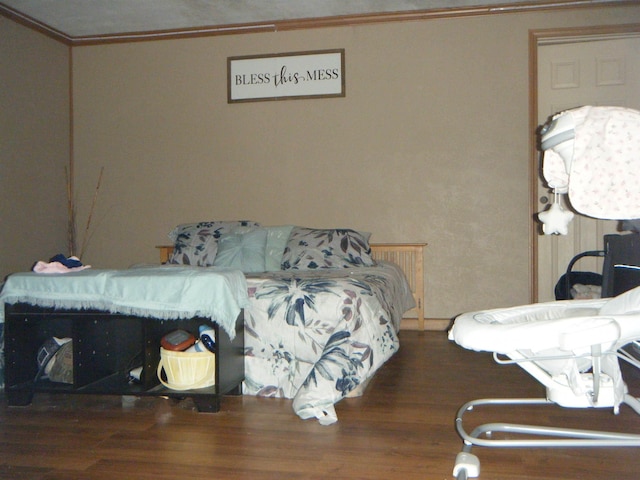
(315, 74)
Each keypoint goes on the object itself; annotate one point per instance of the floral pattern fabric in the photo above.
(314, 336)
(603, 170)
(312, 248)
(197, 243)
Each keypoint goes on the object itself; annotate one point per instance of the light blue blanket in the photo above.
(164, 292)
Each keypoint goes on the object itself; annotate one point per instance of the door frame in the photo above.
(536, 38)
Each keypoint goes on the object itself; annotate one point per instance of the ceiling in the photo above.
(91, 19)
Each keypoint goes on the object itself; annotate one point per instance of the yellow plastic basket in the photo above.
(187, 370)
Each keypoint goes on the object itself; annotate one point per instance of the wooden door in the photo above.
(572, 73)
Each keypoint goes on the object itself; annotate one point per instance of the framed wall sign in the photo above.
(286, 76)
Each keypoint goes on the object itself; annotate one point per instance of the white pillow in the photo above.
(277, 238)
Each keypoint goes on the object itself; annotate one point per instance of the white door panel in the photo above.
(603, 72)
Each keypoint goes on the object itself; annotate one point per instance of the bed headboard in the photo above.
(409, 256)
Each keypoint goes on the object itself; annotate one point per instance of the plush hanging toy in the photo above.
(556, 219)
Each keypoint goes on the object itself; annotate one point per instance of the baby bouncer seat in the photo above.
(572, 347)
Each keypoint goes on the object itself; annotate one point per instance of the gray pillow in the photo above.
(243, 250)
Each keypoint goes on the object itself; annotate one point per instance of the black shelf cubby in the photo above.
(106, 347)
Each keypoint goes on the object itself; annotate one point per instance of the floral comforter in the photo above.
(314, 336)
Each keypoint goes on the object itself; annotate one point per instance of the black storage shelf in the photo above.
(104, 347)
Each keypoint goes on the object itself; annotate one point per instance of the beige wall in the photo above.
(430, 144)
(34, 146)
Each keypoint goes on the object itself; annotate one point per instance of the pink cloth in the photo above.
(56, 267)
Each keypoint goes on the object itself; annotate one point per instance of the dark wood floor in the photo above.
(402, 428)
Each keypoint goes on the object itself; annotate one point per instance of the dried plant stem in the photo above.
(71, 214)
(85, 237)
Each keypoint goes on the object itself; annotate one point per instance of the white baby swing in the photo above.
(573, 346)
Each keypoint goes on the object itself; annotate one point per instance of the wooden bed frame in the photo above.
(409, 256)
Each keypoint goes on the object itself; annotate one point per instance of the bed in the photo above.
(325, 306)
(322, 307)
